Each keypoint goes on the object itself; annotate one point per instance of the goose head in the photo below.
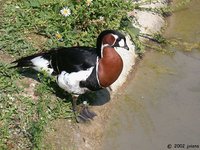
(111, 38)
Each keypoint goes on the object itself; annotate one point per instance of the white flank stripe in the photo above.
(70, 81)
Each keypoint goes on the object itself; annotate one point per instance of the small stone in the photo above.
(85, 102)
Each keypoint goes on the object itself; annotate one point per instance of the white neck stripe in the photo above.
(97, 67)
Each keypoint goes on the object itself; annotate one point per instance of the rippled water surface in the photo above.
(160, 107)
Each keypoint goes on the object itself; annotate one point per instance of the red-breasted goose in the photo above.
(81, 69)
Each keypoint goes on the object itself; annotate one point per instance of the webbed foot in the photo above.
(85, 114)
(82, 114)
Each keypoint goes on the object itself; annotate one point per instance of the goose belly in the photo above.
(70, 81)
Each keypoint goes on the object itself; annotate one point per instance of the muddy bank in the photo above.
(63, 134)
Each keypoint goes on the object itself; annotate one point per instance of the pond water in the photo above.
(160, 107)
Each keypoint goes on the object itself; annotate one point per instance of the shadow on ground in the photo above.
(96, 98)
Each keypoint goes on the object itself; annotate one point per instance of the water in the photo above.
(160, 107)
(185, 24)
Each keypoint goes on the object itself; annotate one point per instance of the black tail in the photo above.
(25, 61)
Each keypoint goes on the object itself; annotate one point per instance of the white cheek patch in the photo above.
(121, 43)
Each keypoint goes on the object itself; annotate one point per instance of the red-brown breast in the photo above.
(110, 66)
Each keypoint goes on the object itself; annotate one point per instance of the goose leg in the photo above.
(74, 107)
(84, 114)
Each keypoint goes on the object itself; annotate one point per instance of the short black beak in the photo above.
(126, 47)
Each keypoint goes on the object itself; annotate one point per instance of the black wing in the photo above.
(69, 59)
(72, 59)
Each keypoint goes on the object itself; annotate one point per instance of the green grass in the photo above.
(23, 119)
(43, 17)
